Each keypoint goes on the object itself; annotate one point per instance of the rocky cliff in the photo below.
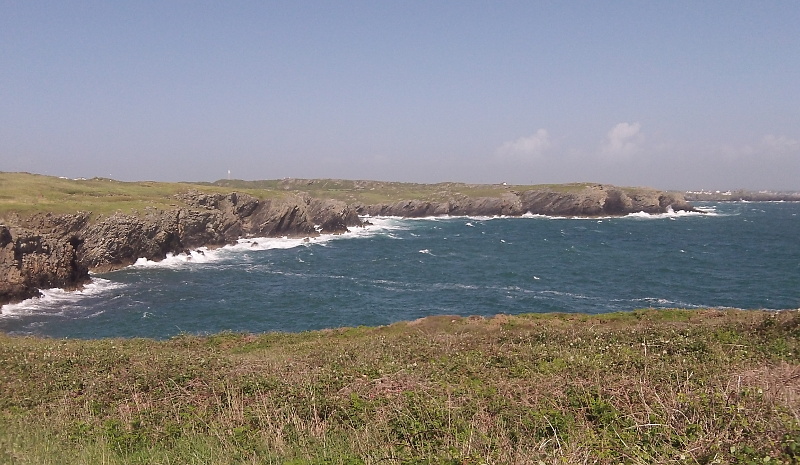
(44, 250)
(592, 200)
(41, 252)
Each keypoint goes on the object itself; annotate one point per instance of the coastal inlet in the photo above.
(743, 255)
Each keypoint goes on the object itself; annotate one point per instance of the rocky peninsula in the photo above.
(54, 231)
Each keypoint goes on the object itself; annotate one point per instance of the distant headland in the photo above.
(742, 196)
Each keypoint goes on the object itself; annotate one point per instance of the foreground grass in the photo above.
(640, 387)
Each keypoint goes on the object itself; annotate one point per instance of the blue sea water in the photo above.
(744, 255)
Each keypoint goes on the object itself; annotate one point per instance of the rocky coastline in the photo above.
(741, 196)
(46, 250)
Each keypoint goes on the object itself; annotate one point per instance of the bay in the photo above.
(743, 255)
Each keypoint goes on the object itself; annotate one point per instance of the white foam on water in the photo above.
(563, 294)
(201, 255)
(204, 255)
(57, 301)
(440, 218)
(708, 209)
(396, 222)
(54, 301)
(669, 214)
(532, 215)
(661, 302)
(378, 225)
(384, 222)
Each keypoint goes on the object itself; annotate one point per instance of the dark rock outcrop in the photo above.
(597, 200)
(332, 216)
(45, 251)
(41, 253)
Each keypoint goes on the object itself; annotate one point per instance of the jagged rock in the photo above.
(31, 260)
(45, 250)
(333, 216)
(596, 200)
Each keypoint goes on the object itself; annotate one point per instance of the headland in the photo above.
(54, 231)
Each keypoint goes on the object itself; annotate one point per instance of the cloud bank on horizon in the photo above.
(674, 95)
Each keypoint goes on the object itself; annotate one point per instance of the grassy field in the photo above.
(375, 192)
(26, 193)
(667, 386)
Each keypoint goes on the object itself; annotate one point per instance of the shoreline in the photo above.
(46, 250)
(198, 255)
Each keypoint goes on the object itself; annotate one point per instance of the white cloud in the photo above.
(780, 144)
(623, 140)
(529, 147)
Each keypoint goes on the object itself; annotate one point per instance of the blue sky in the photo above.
(669, 94)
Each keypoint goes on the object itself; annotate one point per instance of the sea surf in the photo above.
(743, 255)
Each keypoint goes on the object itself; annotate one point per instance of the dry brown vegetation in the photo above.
(26, 193)
(656, 386)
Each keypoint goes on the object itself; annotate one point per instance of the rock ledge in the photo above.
(45, 251)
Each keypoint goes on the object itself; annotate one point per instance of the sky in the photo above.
(668, 94)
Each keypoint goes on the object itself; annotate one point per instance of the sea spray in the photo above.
(735, 255)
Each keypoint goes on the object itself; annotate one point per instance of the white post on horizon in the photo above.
(229, 175)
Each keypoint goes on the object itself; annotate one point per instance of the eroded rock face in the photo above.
(333, 216)
(41, 253)
(591, 201)
(45, 251)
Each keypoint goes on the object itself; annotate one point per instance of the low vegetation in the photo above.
(651, 386)
(26, 193)
(375, 192)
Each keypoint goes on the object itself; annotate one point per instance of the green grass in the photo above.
(26, 193)
(375, 192)
(651, 386)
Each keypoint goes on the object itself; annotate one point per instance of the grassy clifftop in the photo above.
(652, 386)
(26, 193)
(373, 192)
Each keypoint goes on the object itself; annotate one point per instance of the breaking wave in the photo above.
(58, 301)
(403, 269)
(203, 255)
(671, 214)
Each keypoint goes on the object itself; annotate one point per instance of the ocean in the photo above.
(743, 255)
